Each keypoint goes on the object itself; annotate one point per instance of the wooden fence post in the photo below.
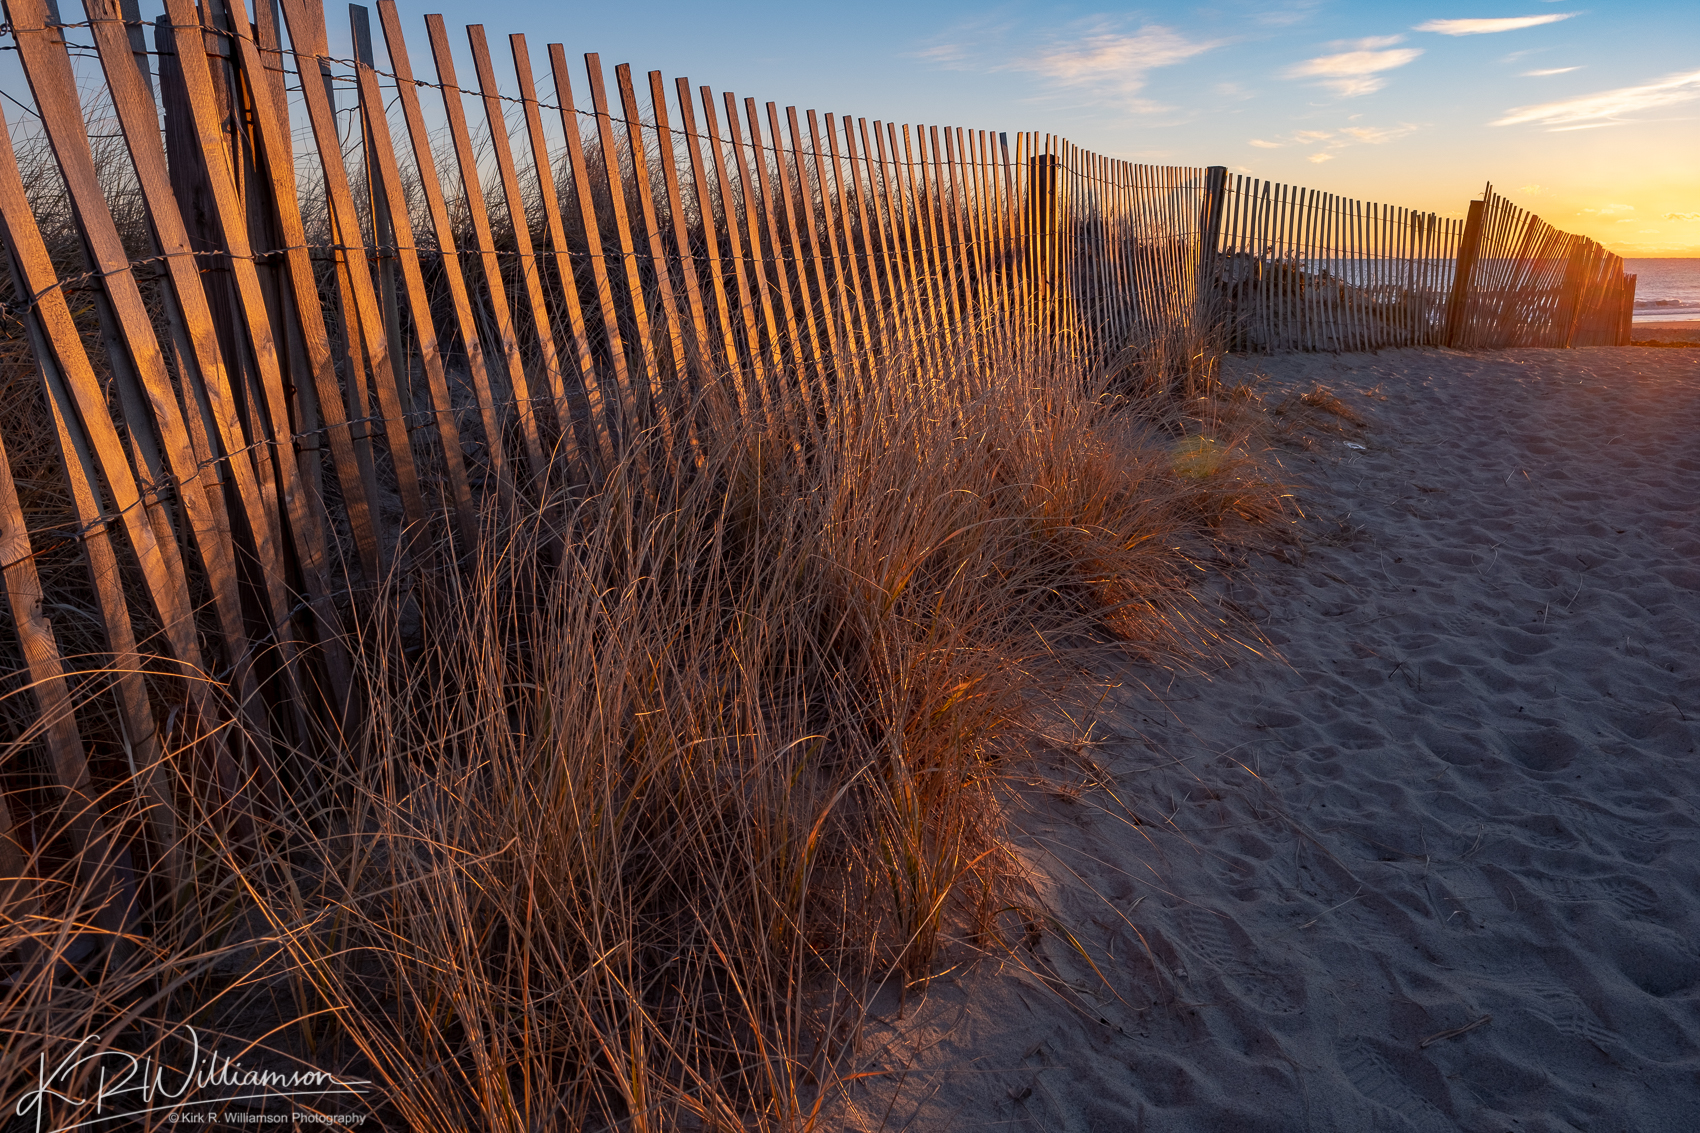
(1209, 237)
(1567, 318)
(1626, 312)
(1041, 229)
(1463, 272)
(383, 225)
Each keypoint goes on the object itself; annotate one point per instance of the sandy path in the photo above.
(1469, 790)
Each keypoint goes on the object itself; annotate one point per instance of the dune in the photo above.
(1432, 860)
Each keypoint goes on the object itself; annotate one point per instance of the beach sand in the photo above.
(1460, 792)
(1677, 330)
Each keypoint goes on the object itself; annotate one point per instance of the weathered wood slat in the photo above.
(773, 379)
(378, 207)
(585, 197)
(1003, 204)
(838, 322)
(865, 347)
(590, 417)
(388, 187)
(59, 351)
(484, 244)
(821, 308)
(637, 302)
(141, 736)
(700, 342)
(442, 230)
(896, 313)
(322, 397)
(652, 227)
(925, 189)
(972, 154)
(701, 190)
(804, 286)
(776, 186)
(135, 352)
(898, 254)
(531, 280)
(735, 253)
(866, 260)
(102, 864)
(307, 41)
(232, 222)
(908, 228)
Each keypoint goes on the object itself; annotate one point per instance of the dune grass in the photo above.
(678, 775)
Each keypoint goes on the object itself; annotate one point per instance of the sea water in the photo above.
(1666, 291)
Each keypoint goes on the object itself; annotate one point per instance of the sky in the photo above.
(1586, 115)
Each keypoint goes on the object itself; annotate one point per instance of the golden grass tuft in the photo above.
(678, 775)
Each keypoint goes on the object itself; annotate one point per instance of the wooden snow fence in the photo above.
(1299, 269)
(274, 317)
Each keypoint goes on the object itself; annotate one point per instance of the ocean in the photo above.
(1666, 291)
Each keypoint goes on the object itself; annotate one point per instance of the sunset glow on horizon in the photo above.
(1588, 116)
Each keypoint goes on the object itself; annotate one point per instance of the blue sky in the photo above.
(1587, 115)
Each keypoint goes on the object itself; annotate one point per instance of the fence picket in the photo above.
(676, 211)
(59, 353)
(652, 226)
(484, 241)
(773, 382)
(700, 187)
(229, 214)
(530, 263)
(863, 341)
(777, 184)
(442, 230)
(307, 40)
(637, 303)
(389, 185)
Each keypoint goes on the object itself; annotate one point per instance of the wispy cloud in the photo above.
(1352, 73)
(970, 44)
(1114, 61)
(1607, 107)
(1377, 135)
(1488, 27)
(1369, 43)
(1339, 139)
(1285, 15)
(1097, 57)
(1682, 216)
(1550, 71)
(1607, 210)
(1319, 158)
(1533, 190)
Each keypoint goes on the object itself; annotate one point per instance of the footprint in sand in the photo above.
(1376, 1079)
(1634, 897)
(1564, 1011)
(1207, 936)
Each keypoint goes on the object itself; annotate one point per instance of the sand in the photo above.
(1460, 793)
(1677, 330)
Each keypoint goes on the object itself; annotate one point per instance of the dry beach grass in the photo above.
(680, 776)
